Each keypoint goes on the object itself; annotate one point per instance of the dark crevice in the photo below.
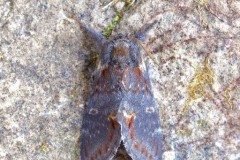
(122, 153)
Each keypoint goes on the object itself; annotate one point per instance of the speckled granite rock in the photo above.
(45, 75)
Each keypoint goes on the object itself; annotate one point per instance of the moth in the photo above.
(121, 106)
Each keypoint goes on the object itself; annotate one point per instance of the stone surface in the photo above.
(45, 74)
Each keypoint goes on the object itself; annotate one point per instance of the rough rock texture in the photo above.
(45, 75)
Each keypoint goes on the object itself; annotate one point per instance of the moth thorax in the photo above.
(121, 55)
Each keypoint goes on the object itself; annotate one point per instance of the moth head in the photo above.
(124, 53)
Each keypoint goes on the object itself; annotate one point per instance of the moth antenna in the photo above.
(95, 36)
(141, 34)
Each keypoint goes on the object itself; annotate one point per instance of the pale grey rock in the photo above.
(45, 75)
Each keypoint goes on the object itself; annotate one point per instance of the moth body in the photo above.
(121, 107)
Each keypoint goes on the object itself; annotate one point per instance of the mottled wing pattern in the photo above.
(100, 131)
(140, 130)
(121, 108)
(139, 118)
